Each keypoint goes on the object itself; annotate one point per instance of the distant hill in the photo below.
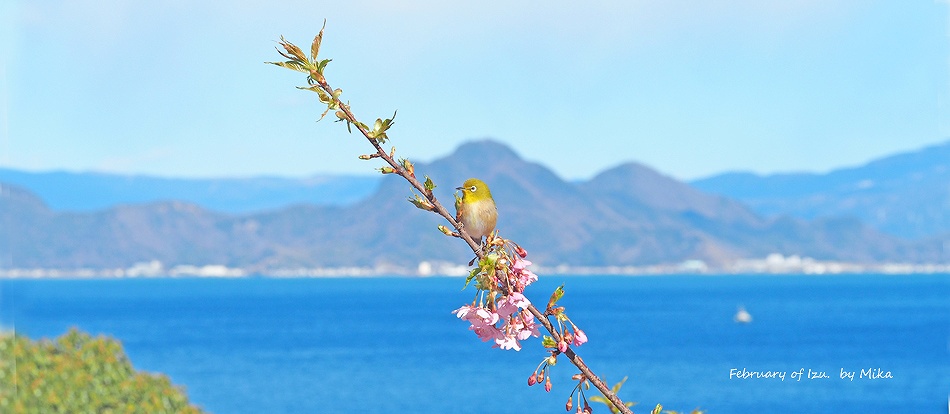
(87, 192)
(906, 195)
(629, 215)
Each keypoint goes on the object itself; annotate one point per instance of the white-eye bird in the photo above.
(476, 209)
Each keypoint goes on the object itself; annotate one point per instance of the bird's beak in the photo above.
(459, 188)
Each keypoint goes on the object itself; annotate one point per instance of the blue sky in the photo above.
(178, 88)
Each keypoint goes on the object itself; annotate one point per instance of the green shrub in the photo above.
(77, 373)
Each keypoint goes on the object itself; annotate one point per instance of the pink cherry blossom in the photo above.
(463, 312)
(506, 307)
(523, 276)
(510, 304)
(487, 332)
(508, 342)
(483, 322)
(476, 314)
(579, 337)
(528, 328)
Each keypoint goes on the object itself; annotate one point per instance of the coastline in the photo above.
(774, 264)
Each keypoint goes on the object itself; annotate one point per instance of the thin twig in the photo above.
(401, 171)
(439, 209)
(577, 361)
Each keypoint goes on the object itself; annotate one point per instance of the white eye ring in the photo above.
(473, 188)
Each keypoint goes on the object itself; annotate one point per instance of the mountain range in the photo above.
(906, 195)
(89, 192)
(628, 215)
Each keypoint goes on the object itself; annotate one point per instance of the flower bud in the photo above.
(445, 230)
(521, 252)
(409, 167)
(562, 346)
(579, 337)
(570, 404)
(541, 376)
(532, 379)
(365, 157)
(547, 385)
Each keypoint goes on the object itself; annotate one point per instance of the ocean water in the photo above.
(368, 345)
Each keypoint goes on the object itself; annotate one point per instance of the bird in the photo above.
(476, 209)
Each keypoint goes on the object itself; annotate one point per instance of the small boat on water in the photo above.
(742, 316)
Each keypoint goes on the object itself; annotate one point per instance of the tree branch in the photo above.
(440, 210)
(299, 62)
(579, 363)
(402, 172)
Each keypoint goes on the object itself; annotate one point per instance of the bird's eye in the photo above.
(473, 188)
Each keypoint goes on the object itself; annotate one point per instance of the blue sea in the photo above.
(383, 345)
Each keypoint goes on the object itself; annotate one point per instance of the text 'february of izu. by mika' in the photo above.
(807, 373)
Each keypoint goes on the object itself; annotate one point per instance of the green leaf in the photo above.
(428, 184)
(471, 275)
(388, 122)
(548, 342)
(324, 98)
(556, 296)
(616, 387)
(322, 65)
(657, 409)
(313, 88)
(488, 262)
(292, 65)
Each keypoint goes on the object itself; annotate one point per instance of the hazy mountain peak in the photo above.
(641, 184)
(632, 174)
(486, 149)
(12, 194)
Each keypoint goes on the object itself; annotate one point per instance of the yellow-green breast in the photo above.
(477, 210)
